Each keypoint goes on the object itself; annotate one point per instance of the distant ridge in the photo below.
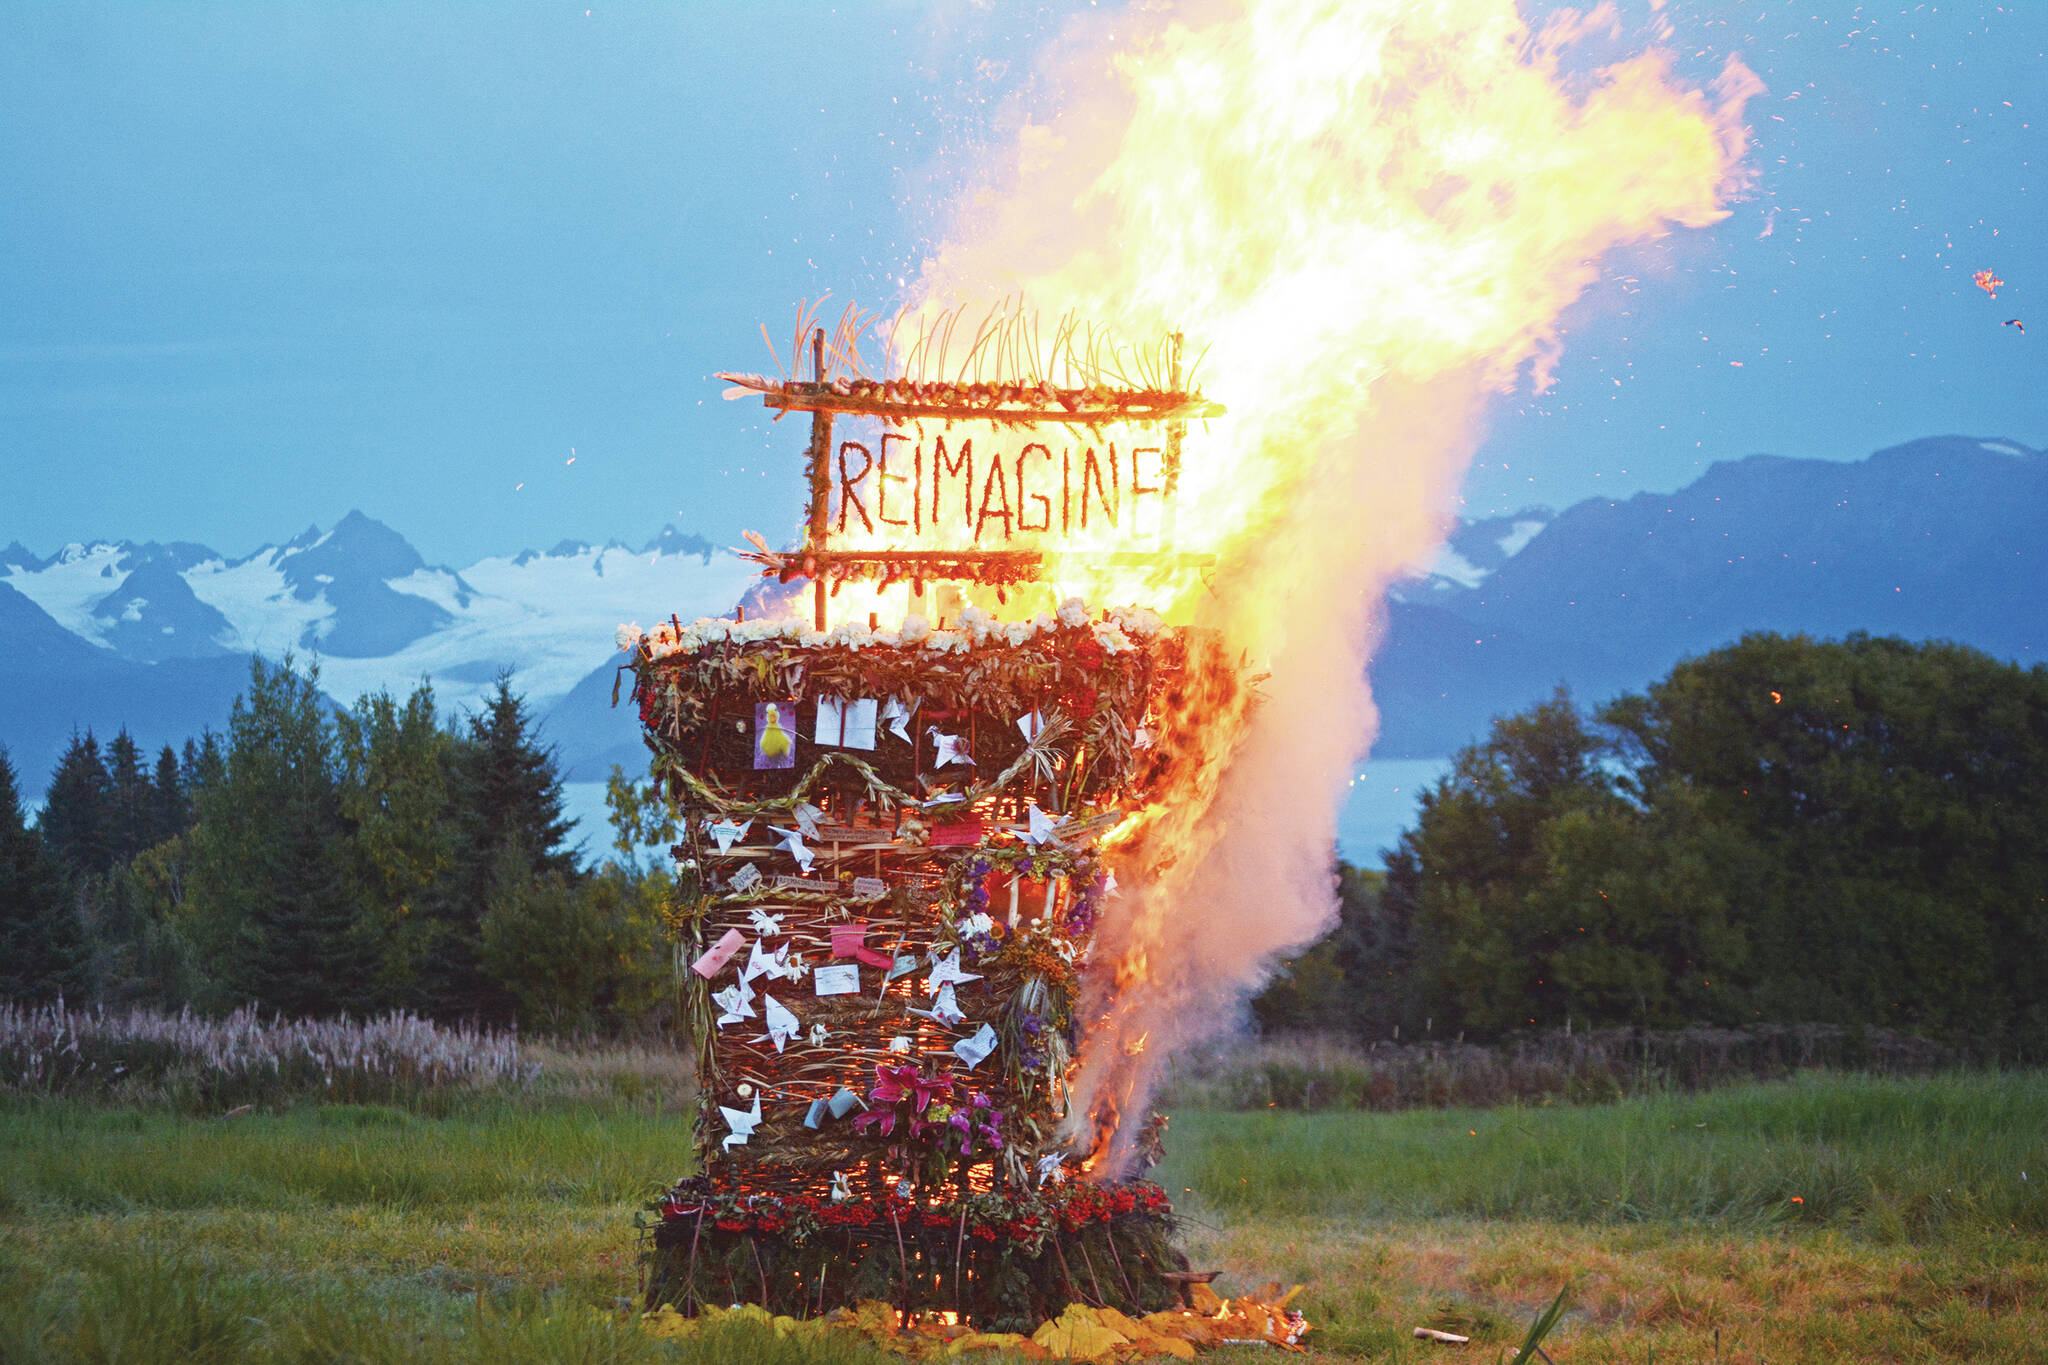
(1936, 538)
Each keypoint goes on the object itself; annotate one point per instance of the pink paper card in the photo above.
(851, 940)
(958, 834)
(719, 954)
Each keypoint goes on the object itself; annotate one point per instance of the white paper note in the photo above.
(840, 978)
(974, 1051)
(847, 724)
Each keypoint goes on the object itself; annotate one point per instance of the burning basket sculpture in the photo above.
(892, 865)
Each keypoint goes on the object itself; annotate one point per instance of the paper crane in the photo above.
(897, 717)
(1049, 1168)
(1043, 827)
(944, 1010)
(946, 971)
(737, 1002)
(948, 747)
(765, 924)
(782, 1025)
(742, 1122)
(727, 833)
(793, 840)
(775, 964)
(806, 817)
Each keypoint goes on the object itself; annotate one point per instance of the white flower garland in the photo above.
(1115, 631)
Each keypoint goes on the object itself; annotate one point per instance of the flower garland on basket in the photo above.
(1006, 1261)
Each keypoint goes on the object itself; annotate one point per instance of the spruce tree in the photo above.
(43, 952)
(507, 795)
(169, 810)
(77, 822)
(269, 886)
(397, 776)
(201, 764)
(130, 822)
(511, 790)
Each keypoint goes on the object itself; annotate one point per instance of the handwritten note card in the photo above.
(974, 1051)
(841, 978)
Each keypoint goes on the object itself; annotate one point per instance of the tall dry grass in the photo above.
(188, 1061)
(1317, 1073)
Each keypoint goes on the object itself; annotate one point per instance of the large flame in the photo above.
(1370, 215)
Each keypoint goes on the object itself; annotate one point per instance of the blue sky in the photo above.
(261, 264)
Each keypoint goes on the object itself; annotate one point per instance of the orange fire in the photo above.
(1365, 218)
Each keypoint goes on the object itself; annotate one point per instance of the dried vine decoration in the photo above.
(991, 568)
(1017, 405)
(1008, 345)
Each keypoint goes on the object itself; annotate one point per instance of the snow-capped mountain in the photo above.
(358, 597)
(1473, 550)
(376, 614)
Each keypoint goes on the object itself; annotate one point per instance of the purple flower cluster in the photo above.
(984, 944)
(1032, 1053)
(1081, 914)
(977, 1118)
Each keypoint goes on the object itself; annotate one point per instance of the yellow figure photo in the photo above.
(774, 736)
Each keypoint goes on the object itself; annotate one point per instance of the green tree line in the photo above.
(1784, 830)
(316, 861)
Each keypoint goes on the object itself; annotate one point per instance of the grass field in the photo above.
(1823, 1219)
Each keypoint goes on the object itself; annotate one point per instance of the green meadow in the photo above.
(1824, 1218)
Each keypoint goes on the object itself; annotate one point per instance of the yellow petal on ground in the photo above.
(1115, 1321)
(1181, 1326)
(1156, 1344)
(986, 1341)
(665, 1321)
(1077, 1336)
(876, 1318)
